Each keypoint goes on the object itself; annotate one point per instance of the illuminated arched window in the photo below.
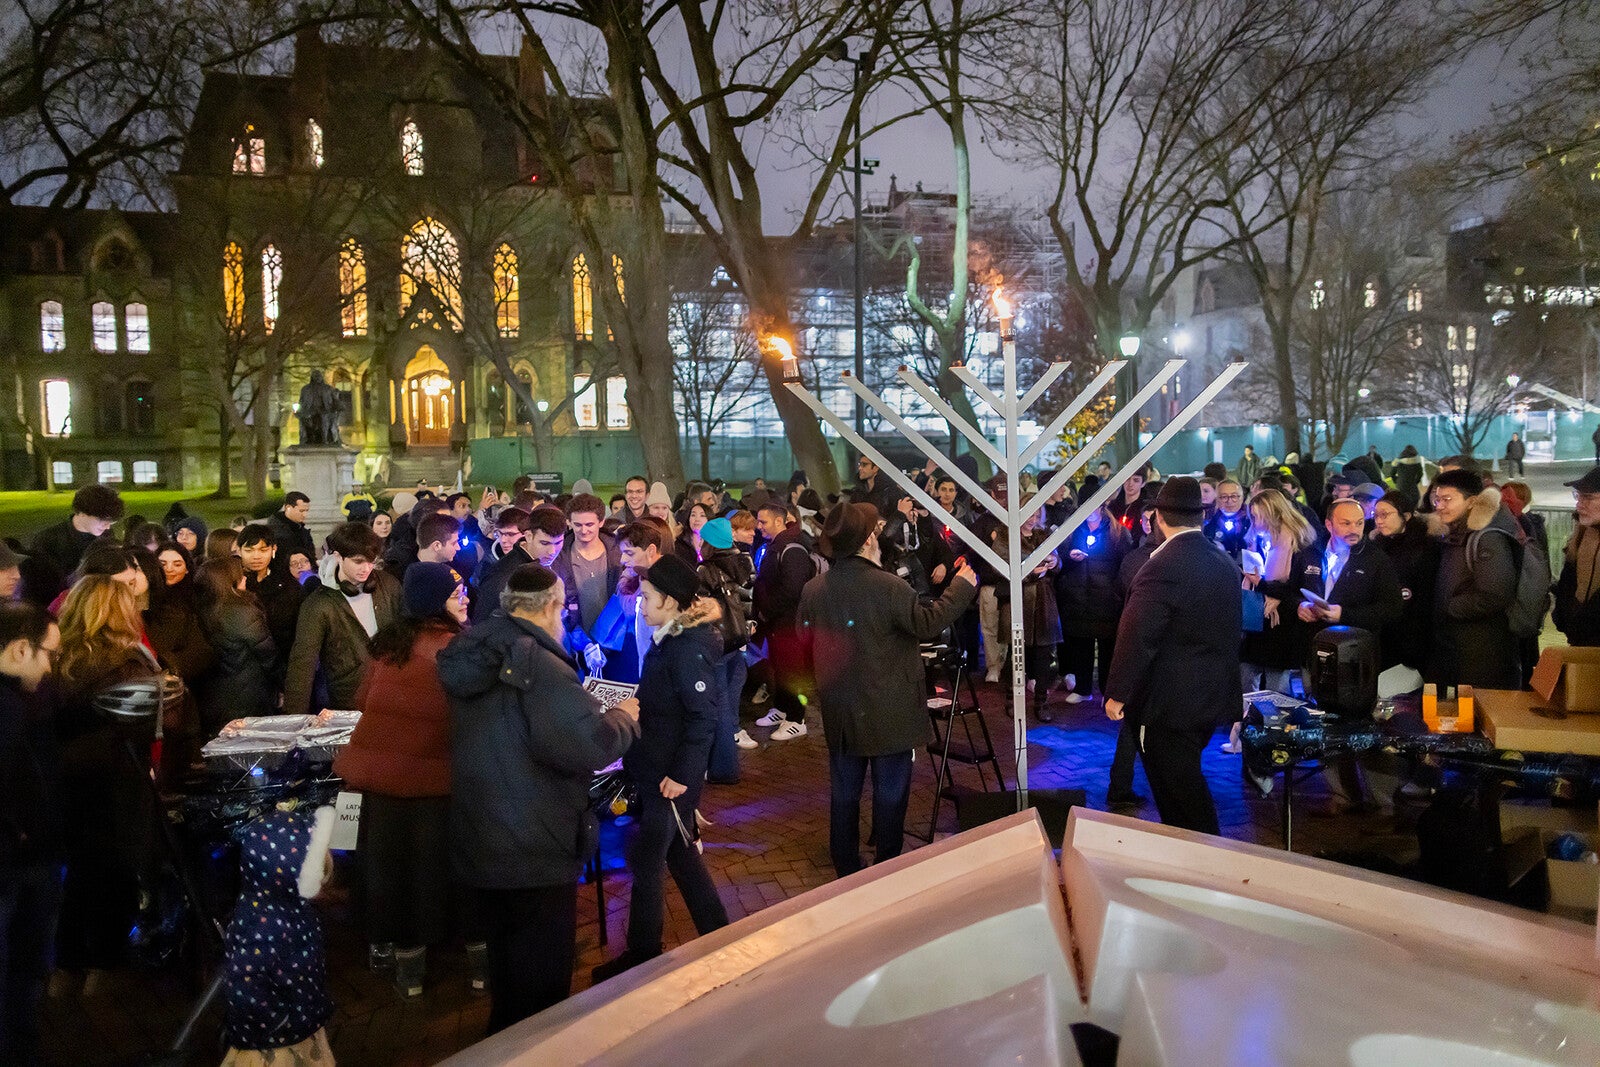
(233, 285)
(314, 142)
(52, 327)
(411, 147)
(352, 289)
(271, 282)
(103, 319)
(622, 289)
(582, 299)
(136, 324)
(507, 303)
(430, 260)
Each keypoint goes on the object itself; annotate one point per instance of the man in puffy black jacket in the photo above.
(526, 740)
(1577, 612)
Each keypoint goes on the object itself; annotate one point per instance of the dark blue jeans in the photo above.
(30, 903)
(658, 847)
(724, 762)
(891, 792)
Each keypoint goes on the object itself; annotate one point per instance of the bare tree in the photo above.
(717, 367)
(93, 93)
(1465, 367)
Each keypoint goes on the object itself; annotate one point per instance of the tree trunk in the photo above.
(260, 447)
(654, 414)
(224, 453)
(1283, 376)
(705, 457)
(954, 392)
(769, 313)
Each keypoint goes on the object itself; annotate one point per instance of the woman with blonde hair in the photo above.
(108, 815)
(1285, 547)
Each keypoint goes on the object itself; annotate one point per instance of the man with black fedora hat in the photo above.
(1175, 672)
(862, 629)
(1577, 610)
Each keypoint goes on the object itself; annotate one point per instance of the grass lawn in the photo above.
(24, 514)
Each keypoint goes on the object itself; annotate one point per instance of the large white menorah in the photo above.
(1011, 461)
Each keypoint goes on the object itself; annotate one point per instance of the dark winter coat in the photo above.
(1472, 639)
(1177, 653)
(494, 580)
(1089, 591)
(245, 678)
(1367, 592)
(280, 597)
(1407, 471)
(863, 628)
(1284, 646)
(290, 537)
(1415, 556)
(55, 554)
(331, 640)
(525, 743)
(680, 691)
(277, 988)
(786, 567)
(30, 778)
(401, 746)
(1041, 620)
(1231, 533)
(1577, 611)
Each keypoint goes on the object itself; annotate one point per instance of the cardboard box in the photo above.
(1569, 678)
(1523, 722)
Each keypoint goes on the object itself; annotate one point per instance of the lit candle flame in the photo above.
(1002, 306)
(780, 346)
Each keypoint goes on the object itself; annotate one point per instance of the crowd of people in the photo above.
(464, 631)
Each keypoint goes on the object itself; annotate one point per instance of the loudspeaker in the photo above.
(1342, 671)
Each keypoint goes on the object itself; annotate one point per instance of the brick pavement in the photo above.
(768, 842)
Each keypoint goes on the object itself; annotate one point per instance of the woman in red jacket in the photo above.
(399, 758)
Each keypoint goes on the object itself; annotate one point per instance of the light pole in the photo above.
(839, 52)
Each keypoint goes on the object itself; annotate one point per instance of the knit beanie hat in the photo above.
(427, 587)
(718, 533)
(674, 578)
(658, 495)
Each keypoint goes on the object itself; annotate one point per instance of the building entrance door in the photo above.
(430, 408)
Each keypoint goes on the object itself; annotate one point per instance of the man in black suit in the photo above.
(1356, 579)
(1175, 672)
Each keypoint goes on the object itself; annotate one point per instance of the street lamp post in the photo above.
(839, 52)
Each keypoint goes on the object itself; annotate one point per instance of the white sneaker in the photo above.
(788, 731)
(1074, 698)
(992, 676)
(773, 717)
(744, 740)
(761, 696)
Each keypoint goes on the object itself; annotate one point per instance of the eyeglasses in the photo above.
(1230, 496)
(1585, 498)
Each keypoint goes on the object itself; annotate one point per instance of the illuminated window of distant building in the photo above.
(1452, 339)
(1319, 295)
(55, 401)
(103, 319)
(582, 299)
(145, 472)
(1414, 299)
(1369, 295)
(507, 309)
(1414, 336)
(250, 153)
(109, 472)
(233, 285)
(141, 406)
(585, 411)
(430, 259)
(271, 282)
(52, 327)
(136, 323)
(411, 148)
(1460, 375)
(61, 472)
(314, 143)
(352, 289)
(1471, 336)
(720, 276)
(617, 403)
(622, 288)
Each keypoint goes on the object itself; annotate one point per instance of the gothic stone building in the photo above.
(370, 214)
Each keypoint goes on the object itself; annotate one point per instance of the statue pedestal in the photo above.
(325, 473)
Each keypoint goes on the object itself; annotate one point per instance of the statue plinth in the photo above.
(325, 473)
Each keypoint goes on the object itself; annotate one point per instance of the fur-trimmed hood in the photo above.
(1481, 511)
(703, 612)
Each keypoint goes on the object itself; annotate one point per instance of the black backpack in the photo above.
(734, 600)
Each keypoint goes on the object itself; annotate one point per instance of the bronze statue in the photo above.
(320, 408)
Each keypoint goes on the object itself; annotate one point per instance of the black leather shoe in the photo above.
(1123, 800)
(613, 967)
